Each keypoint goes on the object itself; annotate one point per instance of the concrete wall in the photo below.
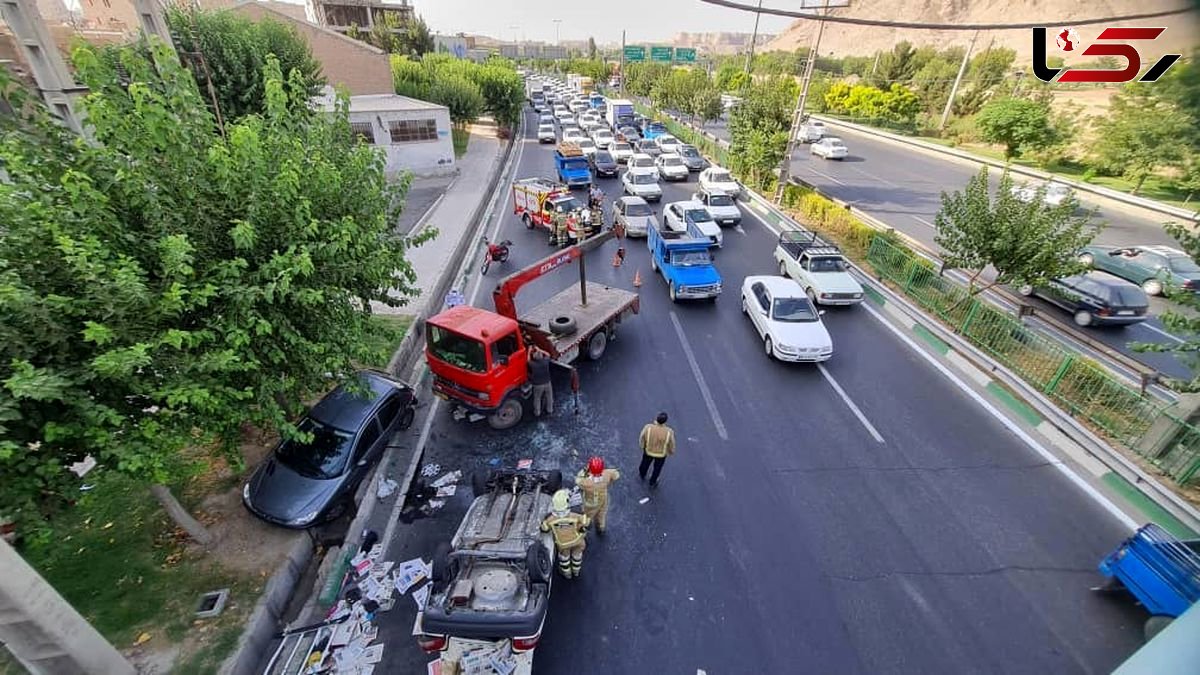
(346, 62)
(423, 158)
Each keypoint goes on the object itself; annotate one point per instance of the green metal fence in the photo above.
(1076, 383)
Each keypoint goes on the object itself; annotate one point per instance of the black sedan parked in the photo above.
(603, 164)
(1095, 298)
(304, 483)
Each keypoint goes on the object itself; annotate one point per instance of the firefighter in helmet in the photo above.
(568, 529)
(558, 227)
(593, 481)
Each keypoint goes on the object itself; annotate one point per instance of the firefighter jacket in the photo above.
(595, 488)
(657, 440)
(567, 529)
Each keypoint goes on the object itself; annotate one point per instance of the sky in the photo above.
(644, 20)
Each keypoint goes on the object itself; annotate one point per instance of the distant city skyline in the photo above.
(653, 21)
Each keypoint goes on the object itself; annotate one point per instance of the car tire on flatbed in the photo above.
(563, 324)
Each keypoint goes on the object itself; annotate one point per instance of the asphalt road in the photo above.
(902, 187)
(863, 517)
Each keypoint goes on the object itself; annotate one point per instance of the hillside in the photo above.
(1183, 31)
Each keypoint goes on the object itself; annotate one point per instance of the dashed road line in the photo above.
(850, 403)
(704, 390)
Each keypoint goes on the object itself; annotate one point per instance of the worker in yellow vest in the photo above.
(593, 482)
(657, 441)
(568, 529)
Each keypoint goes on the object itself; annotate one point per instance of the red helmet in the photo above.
(595, 466)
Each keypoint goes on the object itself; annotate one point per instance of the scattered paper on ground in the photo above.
(643, 500)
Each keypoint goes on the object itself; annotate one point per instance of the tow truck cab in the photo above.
(477, 357)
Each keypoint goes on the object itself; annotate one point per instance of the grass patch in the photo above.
(392, 329)
(460, 137)
(209, 658)
(118, 559)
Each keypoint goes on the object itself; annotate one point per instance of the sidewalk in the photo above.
(450, 216)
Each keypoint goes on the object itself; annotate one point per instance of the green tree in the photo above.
(416, 39)
(985, 72)
(895, 66)
(231, 51)
(933, 80)
(503, 93)
(460, 95)
(705, 104)
(410, 77)
(591, 48)
(1020, 125)
(217, 283)
(1140, 134)
(1024, 242)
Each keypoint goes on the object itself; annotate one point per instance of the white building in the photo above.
(414, 135)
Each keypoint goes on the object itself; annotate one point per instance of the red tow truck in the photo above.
(536, 200)
(479, 358)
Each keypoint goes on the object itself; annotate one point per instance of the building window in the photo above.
(363, 130)
(407, 131)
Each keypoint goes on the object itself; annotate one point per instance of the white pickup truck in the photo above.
(819, 267)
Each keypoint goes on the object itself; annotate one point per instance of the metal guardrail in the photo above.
(1108, 193)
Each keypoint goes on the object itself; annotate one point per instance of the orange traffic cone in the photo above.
(637, 279)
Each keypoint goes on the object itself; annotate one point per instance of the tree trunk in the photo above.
(180, 515)
(1138, 186)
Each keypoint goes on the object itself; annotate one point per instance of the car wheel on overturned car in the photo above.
(553, 483)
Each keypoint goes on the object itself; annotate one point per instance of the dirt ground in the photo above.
(245, 546)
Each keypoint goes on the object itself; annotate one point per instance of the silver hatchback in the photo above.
(635, 214)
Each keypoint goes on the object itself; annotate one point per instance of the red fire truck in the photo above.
(536, 200)
(478, 358)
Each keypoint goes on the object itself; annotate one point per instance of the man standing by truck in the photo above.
(539, 377)
(593, 482)
(568, 529)
(657, 441)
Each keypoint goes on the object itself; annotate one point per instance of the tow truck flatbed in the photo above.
(605, 305)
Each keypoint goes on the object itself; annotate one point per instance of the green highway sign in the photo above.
(633, 53)
(661, 54)
(685, 55)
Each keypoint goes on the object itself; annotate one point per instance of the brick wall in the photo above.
(346, 62)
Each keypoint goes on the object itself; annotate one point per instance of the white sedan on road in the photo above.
(788, 323)
(621, 151)
(671, 167)
(1055, 195)
(830, 148)
(716, 178)
(668, 143)
(642, 184)
(587, 145)
(678, 214)
(545, 133)
(641, 162)
(603, 137)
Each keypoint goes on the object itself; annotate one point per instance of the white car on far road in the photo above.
(677, 214)
(603, 138)
(545, 133)
(641, 162)
(621, 151)
(811, 131)
(830, 148)
(1055, 195)
(587, 145)
(788, 323)
(642, 184)
(668, 144)
(574, 135)
(671, 167)
(717, 178)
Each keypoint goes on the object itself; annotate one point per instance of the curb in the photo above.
(1137, 488)
(1126, 201)
(261, 626)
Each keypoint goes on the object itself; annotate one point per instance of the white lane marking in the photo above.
(704, 390)
(1161, 332)
(394, 516)
(850, 403)
(922, 221)
(821, 173)
(1020, 433)
(874, 177)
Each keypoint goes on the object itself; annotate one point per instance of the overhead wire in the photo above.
(859, 21)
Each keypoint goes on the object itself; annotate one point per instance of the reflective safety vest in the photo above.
(657, 440)
(595, 488)
(567, 529)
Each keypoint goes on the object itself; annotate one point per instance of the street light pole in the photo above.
(962, 68)
(557, 41)
(753, 39)
(786, 164)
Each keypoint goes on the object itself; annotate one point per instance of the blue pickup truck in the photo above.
(684, 261)
(653, 130)
(572, 166)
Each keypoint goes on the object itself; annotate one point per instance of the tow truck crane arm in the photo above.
(505, 294)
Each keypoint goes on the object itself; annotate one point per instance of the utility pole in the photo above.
(786, 165)
(557, 41)
(875, 65)
(753, 39)
(621, 78)
(962, 68)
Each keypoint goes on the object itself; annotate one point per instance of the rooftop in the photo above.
(375, 102)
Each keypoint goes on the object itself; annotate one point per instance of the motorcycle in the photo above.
(495, 253)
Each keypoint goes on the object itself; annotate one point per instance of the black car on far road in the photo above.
(603, 164)
(647, 147)
(1095, 298)
(304, 483)
(630, 134)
